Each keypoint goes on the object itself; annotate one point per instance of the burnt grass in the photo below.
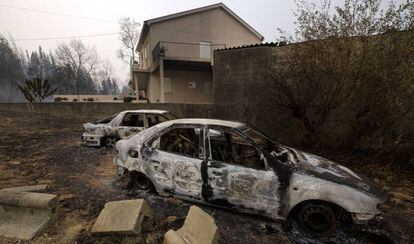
(85, 179)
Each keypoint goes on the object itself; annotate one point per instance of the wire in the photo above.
(66, 37)
(55, 13)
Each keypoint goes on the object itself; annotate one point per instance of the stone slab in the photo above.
(198, 228)
(122, 217)
(35, 188)
(23, 215)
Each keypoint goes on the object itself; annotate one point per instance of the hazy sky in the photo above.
(263, 15)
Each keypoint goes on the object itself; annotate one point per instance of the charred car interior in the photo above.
(233, 165)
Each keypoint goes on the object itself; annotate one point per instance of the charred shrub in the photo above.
(129, 99)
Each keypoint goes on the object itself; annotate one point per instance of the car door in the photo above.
(236, 174)
(175, 161)
(130, 124)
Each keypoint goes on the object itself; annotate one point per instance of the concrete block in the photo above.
(23, 215)
(35, 188)
(198, 228)
(122, 217)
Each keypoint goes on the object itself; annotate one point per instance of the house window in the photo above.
(208, 87)
(167, 85)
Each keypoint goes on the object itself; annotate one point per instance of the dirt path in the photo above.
(85, 179)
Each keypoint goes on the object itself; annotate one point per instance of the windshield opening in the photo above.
(259, 138)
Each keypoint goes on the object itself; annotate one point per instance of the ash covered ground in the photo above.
(85, 179)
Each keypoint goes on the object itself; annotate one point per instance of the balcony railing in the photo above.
(143, 63)
(185, 51)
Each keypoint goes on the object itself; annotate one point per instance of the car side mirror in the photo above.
(148, 150)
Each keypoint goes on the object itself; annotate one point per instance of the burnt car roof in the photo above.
(218, 122)
(146, 111)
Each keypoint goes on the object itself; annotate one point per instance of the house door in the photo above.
(205, 50)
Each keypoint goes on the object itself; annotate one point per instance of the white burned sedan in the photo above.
(123, 125)
(232, 164)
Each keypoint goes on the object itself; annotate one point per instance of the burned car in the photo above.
(234, 165)
(122, 125)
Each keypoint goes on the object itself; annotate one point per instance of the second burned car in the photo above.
(234, 165)
(122, 125)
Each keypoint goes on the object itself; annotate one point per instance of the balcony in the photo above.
(199, 52)
(143, 64)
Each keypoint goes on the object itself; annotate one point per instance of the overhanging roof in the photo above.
(147, 23)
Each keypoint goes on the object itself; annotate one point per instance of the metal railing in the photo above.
(185, 51)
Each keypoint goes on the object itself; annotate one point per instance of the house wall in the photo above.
(215, 26)
(153, 88)
(181, 93)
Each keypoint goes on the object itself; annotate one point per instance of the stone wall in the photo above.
(99, 110)
(241, 91)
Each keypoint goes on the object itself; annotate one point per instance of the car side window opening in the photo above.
(170, 116)
(133, 120)
(228, 146)
(155, 119)
(184, 141)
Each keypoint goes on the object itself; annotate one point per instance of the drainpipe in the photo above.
(132, 63)
(162, 98)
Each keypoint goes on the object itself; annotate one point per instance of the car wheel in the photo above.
(317, 219)
(141, 182)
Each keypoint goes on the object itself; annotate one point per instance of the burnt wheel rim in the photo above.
(143, 183)
(318, 219)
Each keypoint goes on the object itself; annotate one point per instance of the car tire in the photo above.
(141, 182)
(317, 219)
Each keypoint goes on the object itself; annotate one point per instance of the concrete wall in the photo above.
(99, 110)
(242, 91)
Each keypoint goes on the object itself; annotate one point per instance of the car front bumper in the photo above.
(92, 140)
(368, 219)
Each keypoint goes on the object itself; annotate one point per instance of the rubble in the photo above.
(198, 228)
(122, 217)
(23, 215)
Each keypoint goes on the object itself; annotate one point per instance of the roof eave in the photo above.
(142, 35)
(147, 23)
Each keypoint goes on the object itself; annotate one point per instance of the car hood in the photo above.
(92, 128)
(319, 167)
(322, 166)
(136, 141)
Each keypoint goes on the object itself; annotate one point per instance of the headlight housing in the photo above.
(133, 153)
